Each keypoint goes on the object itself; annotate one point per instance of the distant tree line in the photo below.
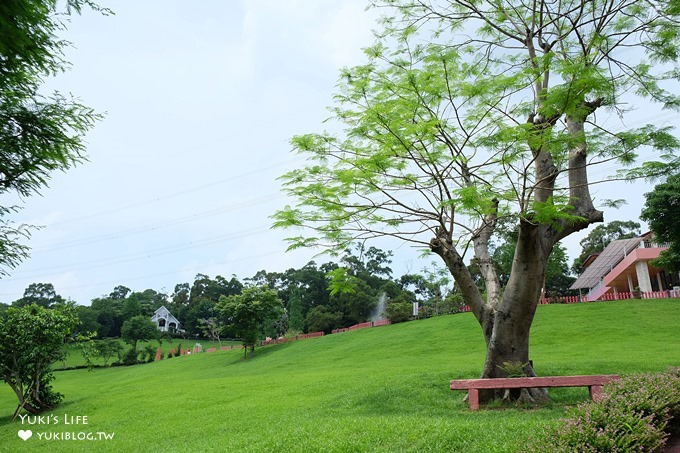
(317, 297)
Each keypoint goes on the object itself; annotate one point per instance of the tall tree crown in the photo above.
(471, 111)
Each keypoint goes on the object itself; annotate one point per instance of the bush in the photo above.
(636, 413)
(130, 357)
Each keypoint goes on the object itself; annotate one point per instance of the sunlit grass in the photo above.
(380, 389)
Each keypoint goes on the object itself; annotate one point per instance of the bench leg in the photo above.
(473, 399)
(595, 392)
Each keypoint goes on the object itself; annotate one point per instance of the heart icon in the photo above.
(25, 435)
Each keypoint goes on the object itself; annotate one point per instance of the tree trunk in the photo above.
(506, 318)
(507, 337)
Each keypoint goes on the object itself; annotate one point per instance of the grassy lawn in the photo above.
(380, 389)
(74, 356)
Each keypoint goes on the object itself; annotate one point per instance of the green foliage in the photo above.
(323, 319)
(88, 348)
(31, 340)
(130, 356)
(435, 126)
(138, 328)
(249, 314)
(106, 349)
(633, 415)
(513, 369)
(661, 212)
(399, 311)
(42, 294)
(296, 320)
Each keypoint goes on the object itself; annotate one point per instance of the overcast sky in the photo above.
(201, 100)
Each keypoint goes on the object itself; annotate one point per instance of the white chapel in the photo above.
(164, 320)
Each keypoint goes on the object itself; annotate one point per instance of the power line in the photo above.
(138, 256)
(159, 226)
(175, 194)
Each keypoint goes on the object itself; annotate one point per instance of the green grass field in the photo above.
(74, 356)
(379, 389)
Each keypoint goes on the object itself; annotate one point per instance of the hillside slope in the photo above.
(379, 389)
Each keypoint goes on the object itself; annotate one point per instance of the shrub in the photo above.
(130, 357)
(149, 353)
(636, 413)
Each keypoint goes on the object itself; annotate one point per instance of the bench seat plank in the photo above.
(593, 382)
(540, 381)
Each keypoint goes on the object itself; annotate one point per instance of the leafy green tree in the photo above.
(309, 285)
(399, 311)
(87, 318)
(39, 133)
(558, 278)
(557, 272)
(120, 292)
(42, 294)
(601, 236)
(250, 313)
(131, 308)
(211, 329)
(107, 348)
(662, 212)
(467, 113)
(296, 320)
(323, 319)
(109, 315)
(31, 340)
(149, 300)
(431, 288)
(138, 328)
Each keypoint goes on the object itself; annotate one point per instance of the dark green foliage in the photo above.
(661, 212)
(130, 356)
(636, 413)
(296, 321)
(323, 319)
(42, 294)
(192, 304)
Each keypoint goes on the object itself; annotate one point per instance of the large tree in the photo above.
(661, 211)
(31, 340)
(39, 133)
(42, 294)
(472, 112)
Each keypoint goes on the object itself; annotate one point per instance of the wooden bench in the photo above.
(473, 386)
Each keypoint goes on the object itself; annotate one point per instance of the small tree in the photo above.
(138, 328)
(106, 349)
(31, 340)
(211, 328)
(248, 314)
